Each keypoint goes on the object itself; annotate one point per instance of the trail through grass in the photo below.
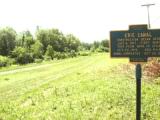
(83, 88)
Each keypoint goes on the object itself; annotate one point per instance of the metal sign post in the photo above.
(138, 43)
(138, 91)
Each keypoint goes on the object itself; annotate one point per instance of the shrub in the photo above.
(47, 58)
(37, 50)
(152, 68)
(73, 53)
(63, 55)
(85, 53)
(50, 52)
(105, 49)
(22, 56)
(25, 58)
(11, 61)
(99, 49)
(59, 55)
(38, 60)
(4, 61)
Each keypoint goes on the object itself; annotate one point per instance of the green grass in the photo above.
(83, 88)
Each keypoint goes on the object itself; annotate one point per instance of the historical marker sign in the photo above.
(138, 43)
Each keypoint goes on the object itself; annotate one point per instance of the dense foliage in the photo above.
(4, 61)
(46, 44)
(7, 41)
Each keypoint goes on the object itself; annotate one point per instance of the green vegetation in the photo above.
(83, 88)
(46, 44)
(4, 61)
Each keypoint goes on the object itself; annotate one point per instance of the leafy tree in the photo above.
(7, 40)
(37, 50)
(42, 36)
(96, 44)
(4, 61)
(28, 39)
(100, 46)
(56, 39)
(50, 52)
(20, 40)
(24, 49)
(105, 43)
(22, 56)
(29, 42)
(85, 46)
(25, 39)
(73, 43)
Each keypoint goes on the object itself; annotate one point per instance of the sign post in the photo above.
(138, 91)
(138, 43)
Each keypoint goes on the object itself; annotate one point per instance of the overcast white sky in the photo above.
(89, 20)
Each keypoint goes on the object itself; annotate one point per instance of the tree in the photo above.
(96, 44)
(86, 46)
(7, 40)
(4, 61)
(22, 56)
(105, 43)
(28, 39)
(72, 43)
(56, 40)
(50, 52)
(37, 50)
(42, 36)
(100, 46)
(20, 39)
(25, 39)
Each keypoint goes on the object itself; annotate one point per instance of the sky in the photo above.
(89, 20)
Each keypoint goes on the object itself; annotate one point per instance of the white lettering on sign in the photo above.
(129, 35)
(139, 35)
(144, 34)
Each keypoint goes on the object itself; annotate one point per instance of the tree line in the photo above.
(46, 44)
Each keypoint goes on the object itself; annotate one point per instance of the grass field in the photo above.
(83, 88)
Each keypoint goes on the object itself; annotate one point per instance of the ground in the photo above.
(84, 88)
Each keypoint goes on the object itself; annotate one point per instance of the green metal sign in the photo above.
(138, 43)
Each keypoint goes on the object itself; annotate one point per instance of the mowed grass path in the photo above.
(83, 88)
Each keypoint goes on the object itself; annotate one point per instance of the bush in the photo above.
(47, 58)
(60, 55)
(102, 49)
(37, 50)
(152, 68)
(4, 61)
(85, 53)
(25, 58)
(50, 52)
(38, 60)
(63, 55)
(105, 49)
(73, 53)
(99, 49)
(22, 56)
